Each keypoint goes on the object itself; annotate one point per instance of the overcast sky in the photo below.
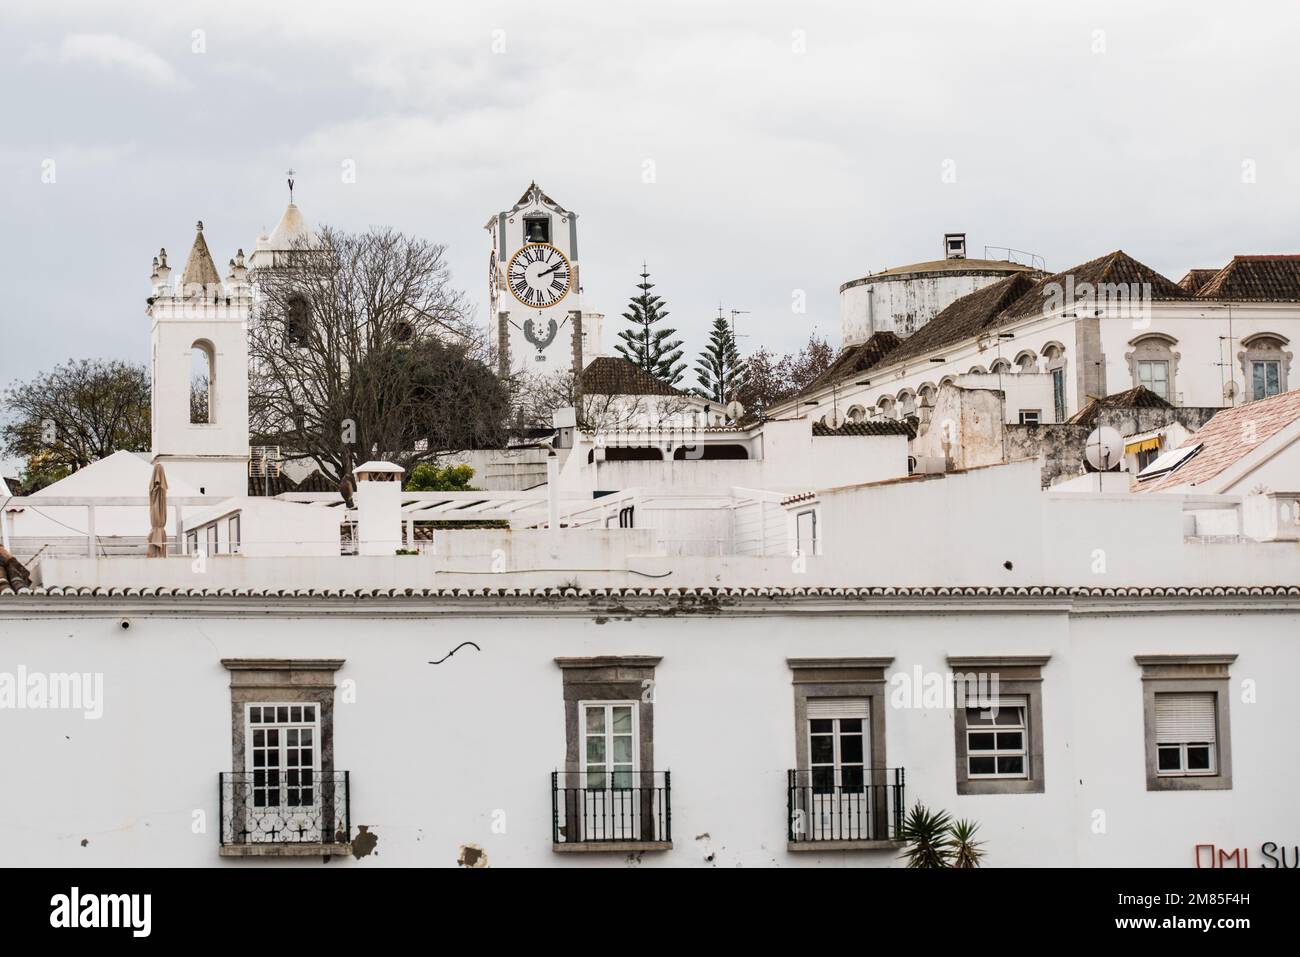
(793, 146)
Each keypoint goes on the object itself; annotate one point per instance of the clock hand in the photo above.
(547, 272)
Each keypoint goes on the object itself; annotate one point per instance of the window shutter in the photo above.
(1184, 717)
(837, 708)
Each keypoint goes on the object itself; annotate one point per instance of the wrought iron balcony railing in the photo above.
(845, 804)
(289, 806)
(607, 807)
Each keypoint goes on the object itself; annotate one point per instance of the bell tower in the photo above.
(534, 292)
(199, 370)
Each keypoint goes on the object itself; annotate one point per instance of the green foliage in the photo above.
(719, 367)
(966, 851)
(934, 840)
(429, 477)
(75, 414)
(651, 349)
(929, 844)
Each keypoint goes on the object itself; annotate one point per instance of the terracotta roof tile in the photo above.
(1118, 267)
(1256, 278)
(1139, 397)
(856, 358)
(869, 427)
(1196, 278)
(614, 375)
(1229, 436)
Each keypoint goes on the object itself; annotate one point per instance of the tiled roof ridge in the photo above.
(701, 592)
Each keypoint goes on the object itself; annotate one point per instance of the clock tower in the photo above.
(533, 288)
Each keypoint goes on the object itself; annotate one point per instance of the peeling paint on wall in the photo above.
(364, 843)
(471, 855)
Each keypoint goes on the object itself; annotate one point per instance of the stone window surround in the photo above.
(1019, 675)
(841, 678)
(282, 680)
(1187, 673)
(609, 678)
(1253, 353)
(1154, 347)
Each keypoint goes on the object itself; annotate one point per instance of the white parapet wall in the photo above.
(482, 731)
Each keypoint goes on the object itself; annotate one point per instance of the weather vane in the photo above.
(290, 175)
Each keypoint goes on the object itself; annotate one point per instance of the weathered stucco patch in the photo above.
(471, 855)
(364, 843)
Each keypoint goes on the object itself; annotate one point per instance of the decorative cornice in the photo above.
(998, 661)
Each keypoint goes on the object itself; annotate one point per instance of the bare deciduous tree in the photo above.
(537, 396)
(76, 414)
(361, 347)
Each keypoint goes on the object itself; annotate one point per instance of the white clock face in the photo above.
(539, 275)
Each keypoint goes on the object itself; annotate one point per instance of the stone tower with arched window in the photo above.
(199, 370)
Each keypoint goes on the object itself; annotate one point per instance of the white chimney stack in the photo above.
(379, 508)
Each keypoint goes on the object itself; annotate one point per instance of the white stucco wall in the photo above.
(480, 733)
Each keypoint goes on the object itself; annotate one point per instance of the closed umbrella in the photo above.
(158, 513)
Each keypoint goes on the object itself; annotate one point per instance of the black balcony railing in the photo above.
(292, 806)
(596, 807)
(845, 804)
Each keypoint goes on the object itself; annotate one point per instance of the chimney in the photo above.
(954, 245)
(379, 508)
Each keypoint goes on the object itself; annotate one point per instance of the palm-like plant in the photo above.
(966, 851)
(927, 836)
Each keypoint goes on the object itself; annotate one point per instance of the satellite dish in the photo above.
(1104, 449)
(734, 410)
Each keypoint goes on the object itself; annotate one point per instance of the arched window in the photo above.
(946, 380)
(202, 381)
(885, 407)
(925, 395)
(857, 413)
(1153, 363)
(976, 370)
(1265, 363)
(1000, 366)
(906, 403)
(1027, 362)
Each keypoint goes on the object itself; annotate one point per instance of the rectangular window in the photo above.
(996, 740)
(806, 532)
(1154, 375)
(610, 792)
(233, 534)
(283, 758)
(837, 744)
(1058, 393)
(1265, 379)
(1031, 416)
(839, 800)
(1185, 733)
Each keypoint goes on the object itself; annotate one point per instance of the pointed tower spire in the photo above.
(200, 275)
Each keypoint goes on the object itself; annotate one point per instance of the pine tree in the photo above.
(651, 349)
(719, 368)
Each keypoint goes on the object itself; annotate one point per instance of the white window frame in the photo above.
(1183, 771)
(1149, 381)
(837, 758)
(1020, 703)
(609, 705)
(283, 809)
(1277, 363)
(816, 543)
(1026, 413)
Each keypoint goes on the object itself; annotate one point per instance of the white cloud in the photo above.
(112, 51)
